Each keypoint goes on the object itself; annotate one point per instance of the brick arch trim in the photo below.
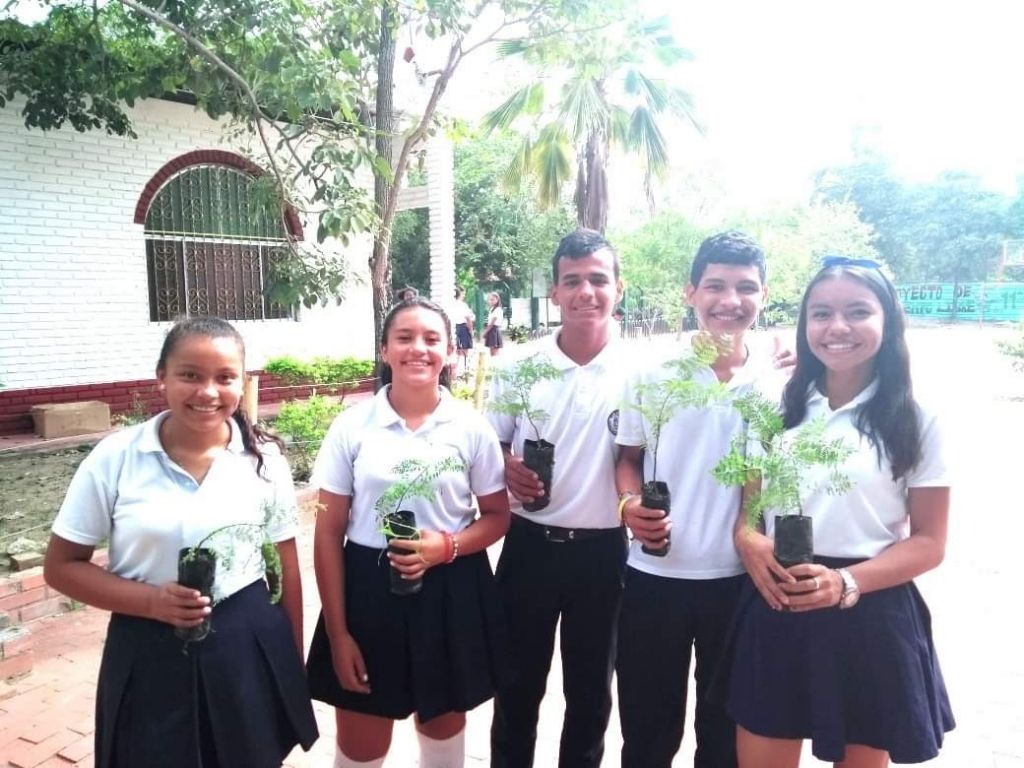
(206, 157)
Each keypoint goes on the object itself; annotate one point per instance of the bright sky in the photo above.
(783, 85)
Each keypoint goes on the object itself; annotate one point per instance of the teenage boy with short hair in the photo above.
(566, 562)
(684, 599)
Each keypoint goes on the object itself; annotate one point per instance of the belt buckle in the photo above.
(557, 536)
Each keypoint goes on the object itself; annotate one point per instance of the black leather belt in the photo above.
(558, 535)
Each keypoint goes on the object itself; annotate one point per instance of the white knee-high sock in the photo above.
(343, 761)
(443, 753)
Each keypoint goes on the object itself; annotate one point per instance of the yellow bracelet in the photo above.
(623, 498)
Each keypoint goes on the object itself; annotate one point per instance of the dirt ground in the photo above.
(32, 486)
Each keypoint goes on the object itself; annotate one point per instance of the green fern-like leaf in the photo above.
(658, 401)
(417, 478)
(518, 381)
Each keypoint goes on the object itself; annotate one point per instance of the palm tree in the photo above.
(601, 98)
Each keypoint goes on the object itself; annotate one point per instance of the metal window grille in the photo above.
(210, 243)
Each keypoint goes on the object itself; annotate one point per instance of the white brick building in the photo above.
(75, 294)
(74, 304)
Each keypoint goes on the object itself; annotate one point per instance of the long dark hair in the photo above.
(889, 419)
(384, 372)
(215, 328)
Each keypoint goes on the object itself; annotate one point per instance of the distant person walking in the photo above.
(464, 319)
(495, 317)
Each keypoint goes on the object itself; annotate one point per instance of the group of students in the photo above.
(838, 651)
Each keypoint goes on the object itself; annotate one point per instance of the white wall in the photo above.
(73, 296)
(549, 312)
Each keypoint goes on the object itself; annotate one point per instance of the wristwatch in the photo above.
(851, 592)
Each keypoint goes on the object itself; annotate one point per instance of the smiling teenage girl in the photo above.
(850, 662)
(237, 698)
(378, 657)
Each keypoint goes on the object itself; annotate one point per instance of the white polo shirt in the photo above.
(692, 442)
(873, 514)
(368, 440)
(130, 491)
(582, 414)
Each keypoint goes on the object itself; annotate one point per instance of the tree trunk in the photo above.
(592, 184)
(380, 260)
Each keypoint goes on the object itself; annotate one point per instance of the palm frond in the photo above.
(618, 126)
(584, 107)
(646, 136)
(655, 92)
(680, 103)
(518, 167)
(551, 163)
(631, 81)
(513, 107)
(512, 47)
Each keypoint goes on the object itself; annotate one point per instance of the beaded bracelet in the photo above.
(451, 548)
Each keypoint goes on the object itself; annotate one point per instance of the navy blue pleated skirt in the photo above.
(493, 338)
(867, 675)
(237, 699)
(441, 650)
(463, 338)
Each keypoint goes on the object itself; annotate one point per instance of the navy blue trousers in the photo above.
(541, 582)
(662, 623)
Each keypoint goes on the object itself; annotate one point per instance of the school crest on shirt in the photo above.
(613, 422)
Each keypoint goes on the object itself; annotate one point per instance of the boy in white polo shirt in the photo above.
(684, 599)
(566, 561)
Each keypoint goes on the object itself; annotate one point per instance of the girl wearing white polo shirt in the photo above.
(375, 656)
(840, 650)
(495, 318)
(238, 698)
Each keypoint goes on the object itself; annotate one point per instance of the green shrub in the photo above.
(517, 333)
(332, 370)
(303, 424)
(321, 370)
(288, 368)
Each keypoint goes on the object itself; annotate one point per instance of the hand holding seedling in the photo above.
(178, 606)
(349, 665)
(816, 587)
(423, 553)
(757, 552)
(522, 482)
(651, 526)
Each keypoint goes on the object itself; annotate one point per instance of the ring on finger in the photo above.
(817, 585)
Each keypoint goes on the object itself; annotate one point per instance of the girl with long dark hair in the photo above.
(839, 651)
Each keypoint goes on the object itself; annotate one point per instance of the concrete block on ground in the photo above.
(66, 419)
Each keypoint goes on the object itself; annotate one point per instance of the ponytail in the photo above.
(253, 436)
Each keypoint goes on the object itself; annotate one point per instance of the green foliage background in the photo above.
(498, 234)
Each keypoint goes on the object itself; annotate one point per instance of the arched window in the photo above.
(210, 242)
